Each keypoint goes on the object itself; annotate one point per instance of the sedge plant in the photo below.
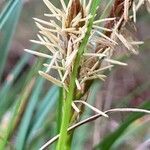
(81, 48)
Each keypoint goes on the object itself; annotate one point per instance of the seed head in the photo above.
(63, 34)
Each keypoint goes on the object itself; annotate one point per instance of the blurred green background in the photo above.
(29, 104)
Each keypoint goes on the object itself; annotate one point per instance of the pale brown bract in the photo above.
(63, 34)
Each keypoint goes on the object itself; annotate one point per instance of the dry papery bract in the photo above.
(63, 34)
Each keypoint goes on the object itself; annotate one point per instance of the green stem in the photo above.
(59, 110)
(63, 139)
(66, 114)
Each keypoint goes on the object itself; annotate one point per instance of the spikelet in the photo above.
(63, 34)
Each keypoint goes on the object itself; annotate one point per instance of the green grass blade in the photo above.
(133, 131)
(47, 105)
(9, 98)
(11, 77)
(24, 126)
(109, 140)
(15, 114)
(8, 22)
(20, 104)
(48, 99)
(7, 12)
